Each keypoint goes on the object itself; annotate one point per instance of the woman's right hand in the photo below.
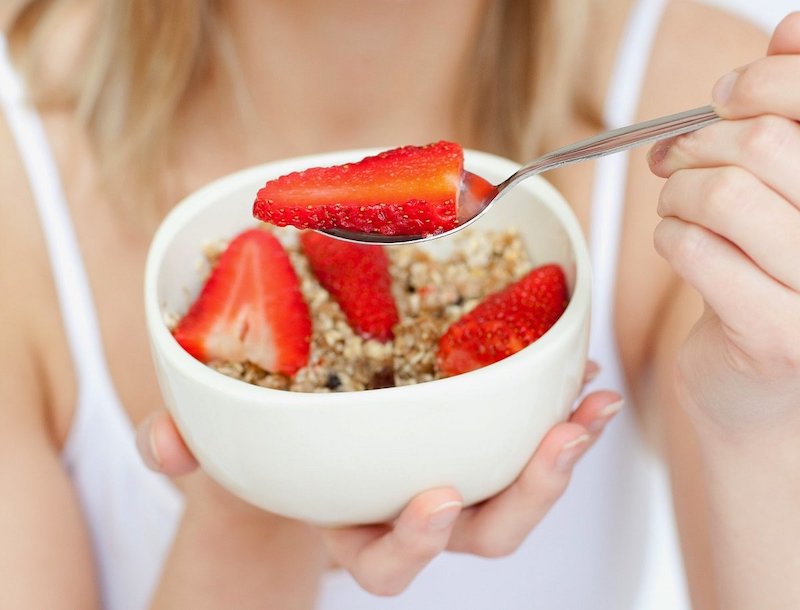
(730, 227)
(385, 559)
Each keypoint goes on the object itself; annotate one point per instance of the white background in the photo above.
(765, 13)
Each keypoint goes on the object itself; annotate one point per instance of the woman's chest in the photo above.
(615, 201)
(115, 251)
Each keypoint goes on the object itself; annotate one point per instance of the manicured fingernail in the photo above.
(146, 441)
(724, 88)
(605, 414)
(570, 452)
(612, 409)
(444, 515)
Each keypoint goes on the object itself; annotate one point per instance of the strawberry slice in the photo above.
(504, 322)
(411, 190)
(250, 309)
(357, 277)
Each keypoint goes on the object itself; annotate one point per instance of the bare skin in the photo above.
(224, 542)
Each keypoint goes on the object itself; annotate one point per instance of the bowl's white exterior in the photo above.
(359, 457)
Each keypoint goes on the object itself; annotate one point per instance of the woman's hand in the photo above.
(731, 228)
(384, 559)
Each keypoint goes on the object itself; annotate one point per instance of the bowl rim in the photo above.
(199, 200)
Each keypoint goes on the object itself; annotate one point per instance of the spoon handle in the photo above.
(618, 140)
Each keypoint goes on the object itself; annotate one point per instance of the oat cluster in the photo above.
(431, 293)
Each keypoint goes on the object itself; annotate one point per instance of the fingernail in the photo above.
(146, 441)
(444, 515)
(605, 414)
(591, 372)
(570, 452)
(724, 88)
(612, 409)
(658, 152)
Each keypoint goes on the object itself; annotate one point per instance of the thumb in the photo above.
(768, 85)
(786, 38)
(162, 447)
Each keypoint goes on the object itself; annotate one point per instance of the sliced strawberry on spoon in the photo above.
(504, 322)
(357, 277)
(411, 190)
(250, 309)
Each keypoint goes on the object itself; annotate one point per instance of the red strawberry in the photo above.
(504, 322)
(411, 190)
(250, 309)
(357, 277)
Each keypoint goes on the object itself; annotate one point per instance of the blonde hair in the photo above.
(523, 86)
(143, 58)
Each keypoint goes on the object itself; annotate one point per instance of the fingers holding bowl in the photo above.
(499, 525)
(384, 559)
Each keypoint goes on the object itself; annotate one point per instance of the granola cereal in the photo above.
(431, 293)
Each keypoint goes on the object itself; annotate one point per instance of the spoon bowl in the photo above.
(476, 194)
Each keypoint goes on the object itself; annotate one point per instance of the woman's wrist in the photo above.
(771, 439)
(752, 482)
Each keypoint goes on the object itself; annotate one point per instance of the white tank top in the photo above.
(608, 544)
(131, 512)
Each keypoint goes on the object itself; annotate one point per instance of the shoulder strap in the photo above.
(71, 281)
(612, 171)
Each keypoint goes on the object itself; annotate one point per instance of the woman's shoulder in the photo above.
(19, 244)
(31, 334)
(696, 44)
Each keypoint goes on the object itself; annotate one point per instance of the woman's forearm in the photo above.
(730, 212)
(754, 492)
(240, 558)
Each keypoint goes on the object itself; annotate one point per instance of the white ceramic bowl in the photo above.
(359, 457)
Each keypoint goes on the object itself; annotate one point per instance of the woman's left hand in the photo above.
(385, 559)
(731, 228)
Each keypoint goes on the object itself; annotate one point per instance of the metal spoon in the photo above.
(477, 195)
